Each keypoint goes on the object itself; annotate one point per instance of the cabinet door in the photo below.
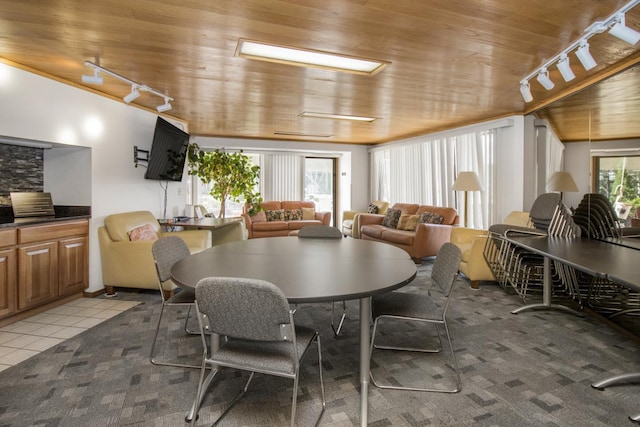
(37, 274)
(7, 281)
(73, 262)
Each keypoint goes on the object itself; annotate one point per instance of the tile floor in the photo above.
(25, 338)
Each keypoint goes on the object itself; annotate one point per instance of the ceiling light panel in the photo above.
(337, 116)
(308, 58)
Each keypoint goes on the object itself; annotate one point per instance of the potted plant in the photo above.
(231, 174)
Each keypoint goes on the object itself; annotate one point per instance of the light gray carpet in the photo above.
(532, 369)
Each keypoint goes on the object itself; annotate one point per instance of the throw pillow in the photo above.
(292, 214)
(259, 217)
(391, 218)
(431, 218)
(275, 215)
(408, 222)
(372, 209)
(144, 232)
(308, 213)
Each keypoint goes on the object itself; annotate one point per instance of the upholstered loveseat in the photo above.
(280, 218)
(418, 229)
(125, 249)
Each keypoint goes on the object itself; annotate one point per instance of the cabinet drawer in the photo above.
(8, 237)
(39, 233)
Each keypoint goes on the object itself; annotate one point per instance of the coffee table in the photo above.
(309, 271)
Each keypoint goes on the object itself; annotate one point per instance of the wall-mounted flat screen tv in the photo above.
(168, 152)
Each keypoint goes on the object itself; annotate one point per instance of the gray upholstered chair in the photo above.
(166, 252)
(260, 334)
(326, 232)
(405, 306)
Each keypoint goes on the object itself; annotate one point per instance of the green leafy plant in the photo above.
(232, 176)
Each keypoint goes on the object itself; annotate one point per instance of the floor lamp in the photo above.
(467, 181)
(562, 181)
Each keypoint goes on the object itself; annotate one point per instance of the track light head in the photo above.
(621, 31)
(585, 57)
(525, 90)
(95, 79)
(544, 80)
(134, 94)
(164, 107)
(565, 68)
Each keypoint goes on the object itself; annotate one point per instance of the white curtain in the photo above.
(555, 153)
(475, 152)
(282, 176)
(424, 173)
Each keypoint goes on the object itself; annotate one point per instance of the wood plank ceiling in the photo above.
(452, 62)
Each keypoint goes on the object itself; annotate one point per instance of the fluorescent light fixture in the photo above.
(337, 116)
(585, 57)
(621, 31)
(525, 90)
(307, 135)
(544, 80)
(133, 95)
(164, 107)
(95, 79)
(308, 58)
(565, 68)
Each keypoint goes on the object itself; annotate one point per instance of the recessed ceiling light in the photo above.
(308, 135)
(308, 58)
(337, 116)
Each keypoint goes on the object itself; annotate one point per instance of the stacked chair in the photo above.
(598, 220)
(522, 270)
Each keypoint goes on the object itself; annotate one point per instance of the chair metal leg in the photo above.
(336, 331)
(453, 355)
(153, 346)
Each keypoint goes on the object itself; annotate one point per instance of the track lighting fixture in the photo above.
(95, 79)
(565, 68)
(617, 27)
(164, 107)
(134, 94)
(584, 56)
(544, 80)
(525, 90)
(621, 31)
(136, 87)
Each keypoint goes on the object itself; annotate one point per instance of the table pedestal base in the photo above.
(631, 377)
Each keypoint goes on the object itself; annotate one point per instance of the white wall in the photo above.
(95, 165)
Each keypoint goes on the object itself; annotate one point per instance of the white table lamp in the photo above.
(562, 181)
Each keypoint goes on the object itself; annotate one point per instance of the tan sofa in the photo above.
(129, 264)
(424, 241)
(471, 242)
(351, 219)
(262, 225)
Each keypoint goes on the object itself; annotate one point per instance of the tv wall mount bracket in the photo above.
(140, 156)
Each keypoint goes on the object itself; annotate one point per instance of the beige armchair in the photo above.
(351, 220)
(129, 264)
(471, 242)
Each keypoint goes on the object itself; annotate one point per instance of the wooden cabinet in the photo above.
(42, 263)
(73, 263)
(37, 274)
(8, 266)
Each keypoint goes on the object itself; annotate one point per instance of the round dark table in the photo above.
(310, 270)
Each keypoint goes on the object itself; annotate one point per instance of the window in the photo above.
(618, 178)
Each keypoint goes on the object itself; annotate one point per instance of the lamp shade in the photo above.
(467, 181)
(562, 181)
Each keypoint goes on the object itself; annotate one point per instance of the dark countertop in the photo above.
(62, 213)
